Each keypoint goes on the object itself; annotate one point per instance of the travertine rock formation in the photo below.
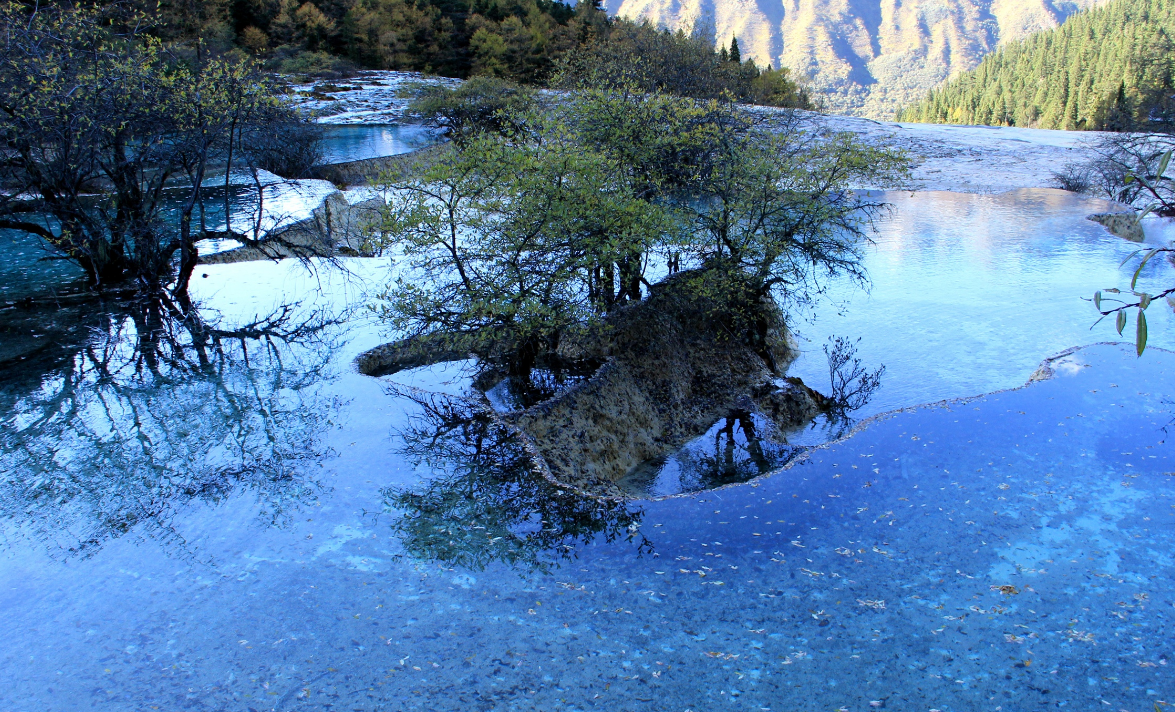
(667, 377)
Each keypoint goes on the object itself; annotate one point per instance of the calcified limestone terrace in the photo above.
(369, 98)
(966, 159)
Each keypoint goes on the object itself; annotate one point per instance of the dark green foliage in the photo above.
(479, 105)
(515, 242)
(1109, 68)
(639, 57)
(525, 41)
(509, 38)
(99, 122)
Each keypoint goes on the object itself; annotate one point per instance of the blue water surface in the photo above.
(279, 532)
(353, 143)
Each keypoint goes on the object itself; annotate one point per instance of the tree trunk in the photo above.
(523, 360)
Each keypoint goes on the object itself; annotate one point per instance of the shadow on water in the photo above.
(128, 415)
(486, 502)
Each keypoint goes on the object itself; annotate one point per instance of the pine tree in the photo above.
(735, 56)
(1106, 68)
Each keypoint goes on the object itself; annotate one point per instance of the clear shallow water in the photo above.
(26, 267)
(353, 143)
(321, 568)
(967, 294)
(1058, 491)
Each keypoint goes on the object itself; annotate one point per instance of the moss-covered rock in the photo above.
(669, 372)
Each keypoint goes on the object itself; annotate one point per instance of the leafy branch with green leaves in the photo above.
(514, 239)
(1140, 303)
(1160, 187)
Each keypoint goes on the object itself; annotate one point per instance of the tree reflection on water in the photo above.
(744, 447)
(486, 502)
(120, 430)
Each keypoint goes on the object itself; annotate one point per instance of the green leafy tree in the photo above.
(502, 239)
(478, 106)
(515, 242)
(638, 56)
(774, 87)
(657, 143)
(774, 216)
(108, 135)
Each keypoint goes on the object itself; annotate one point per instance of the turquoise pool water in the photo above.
(28, 266)
(282, 533)
(353, 143)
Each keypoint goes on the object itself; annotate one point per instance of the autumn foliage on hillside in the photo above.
(531, 42)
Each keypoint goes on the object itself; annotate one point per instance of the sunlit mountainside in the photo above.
(1109, 69)
(870, 56)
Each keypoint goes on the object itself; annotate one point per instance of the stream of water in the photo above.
(275, 531)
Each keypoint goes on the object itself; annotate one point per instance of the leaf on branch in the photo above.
(1140, 333)
(1121, 321)
(1142, 264)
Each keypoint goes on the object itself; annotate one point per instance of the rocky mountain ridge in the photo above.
(869, 57)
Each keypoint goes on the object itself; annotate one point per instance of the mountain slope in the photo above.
(871, 56)
(1109, 68)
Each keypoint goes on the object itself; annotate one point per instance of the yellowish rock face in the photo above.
(871, 56)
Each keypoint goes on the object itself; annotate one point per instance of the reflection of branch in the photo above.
(733, 459)
(486, 502)
(283, 326)
(852, 384)
(153, 413)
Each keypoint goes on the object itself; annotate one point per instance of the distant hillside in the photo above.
(871, 56)
(1107, 68)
